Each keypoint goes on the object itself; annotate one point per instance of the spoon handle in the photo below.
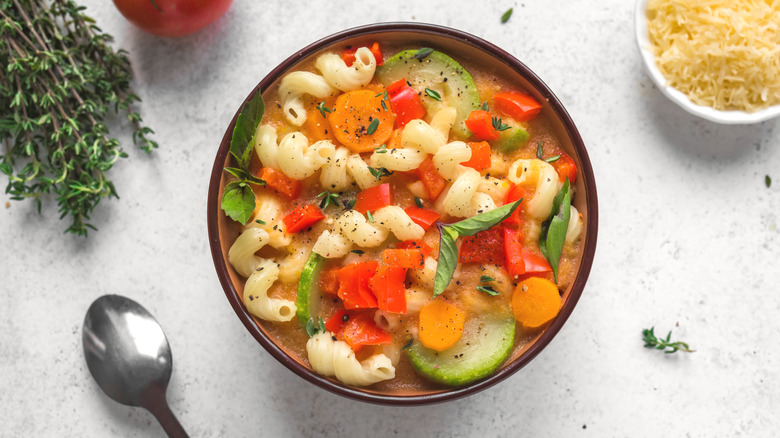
(154, 402)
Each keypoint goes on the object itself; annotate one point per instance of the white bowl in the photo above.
(705, 112)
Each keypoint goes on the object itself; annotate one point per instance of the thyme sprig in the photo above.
(60, 78)
(651, 341)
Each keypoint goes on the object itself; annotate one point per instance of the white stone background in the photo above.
(688, 241)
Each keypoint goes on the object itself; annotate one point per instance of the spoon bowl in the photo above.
(129, 357)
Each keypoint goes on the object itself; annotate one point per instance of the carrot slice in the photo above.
(441, 325)
(317, 126)
(360, 122)
(535, 302)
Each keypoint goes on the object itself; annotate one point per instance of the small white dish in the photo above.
(705, 112)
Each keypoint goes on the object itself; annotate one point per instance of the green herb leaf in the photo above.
(323, 109)
(380, 172)
(408, 344)
(481, 222)
(448, 259)
(554, 229)
(484, 106)
(244, 130)
(651, 341)
(381, 149)
(357, 251)
(349, 203)
(539, 150)
(244, 176)
(372, 126)
(553, 158)
(499, 125)
(384, 105)
(238, 201)
(423, 53)
(369, 216)
(261, 222)
(486, 278)
(311, 327)
(433, 94)
(328, 199)
(768, 181)
(507, 14)
(322, 325)
(488, 290)
(418, 202)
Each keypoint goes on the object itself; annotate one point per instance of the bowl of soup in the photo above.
(402, 214)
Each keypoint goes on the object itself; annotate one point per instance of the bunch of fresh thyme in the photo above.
(58, 80)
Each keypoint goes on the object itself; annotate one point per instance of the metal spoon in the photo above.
(129, 357)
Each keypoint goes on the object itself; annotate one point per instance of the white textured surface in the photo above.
(688, 235)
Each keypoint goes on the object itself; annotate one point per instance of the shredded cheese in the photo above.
(720, 53)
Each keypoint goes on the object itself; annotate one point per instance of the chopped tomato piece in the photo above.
(480, 123)
(403, 258)
(513, 252)
(374, 198)
(405, 102)
(484, 247)
(480, 156)
(335, 323)
(354, 288)
(302, 218)
(281, 183)
(434, 183)
(349, 55)
(566, 168)
(329, 281)
(361, 330)
(514, 193)
(422, 217)
(415, 244)
(519, 106)
(388, 286)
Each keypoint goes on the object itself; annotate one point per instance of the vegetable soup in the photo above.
(404, 217)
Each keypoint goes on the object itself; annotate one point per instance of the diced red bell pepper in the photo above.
(514, 193)
(302, 218)
(403, 258)
(415, 244)
(434, 183)
(519, 106)
(480, 156)
(405, 102)
(388, 286)
(281, 183)
(535, 263)
(354, 287)
(480, 123)
(329, 281)
(422, 217)
(374, 198)
(335, 323)
(361, 330)
(513, 252)
(484, 247)
(349, 55)
(566, 168)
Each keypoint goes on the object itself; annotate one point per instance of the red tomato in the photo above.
(172, 18)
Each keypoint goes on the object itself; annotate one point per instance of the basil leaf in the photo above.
(481, 222)
(554, 229)
(244, 130)
(245, 176)
(448, 259)
(238, 201)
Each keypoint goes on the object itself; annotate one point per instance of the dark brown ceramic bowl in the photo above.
(459, 44)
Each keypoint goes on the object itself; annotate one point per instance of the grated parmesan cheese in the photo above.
(721, 53)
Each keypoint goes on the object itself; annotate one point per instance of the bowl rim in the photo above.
(723, 117)
(578, 284)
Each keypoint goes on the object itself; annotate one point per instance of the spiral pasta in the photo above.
(256, 298)
(358, 169)
(292, 88)
(266, 146)
(359, 231)
(268, 210)
(448, 158)
(540, 176)
(299, 160)
(334, 176)
(332, 245)
(403, 159)
(457, 201)
(575, 226)
(395, 220)
(242, 253)
(339, 75)
(335, 358)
